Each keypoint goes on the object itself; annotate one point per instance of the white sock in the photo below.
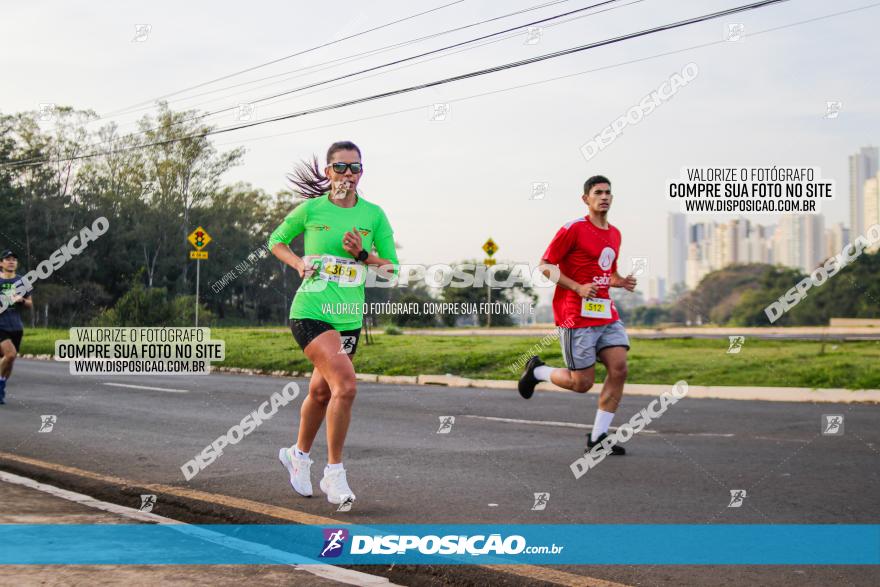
(298, 453)
(601, 424)
(333, 467)
(543, 372)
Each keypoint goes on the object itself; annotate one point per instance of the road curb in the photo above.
(447, 380)
(772, 394)
(398, 379)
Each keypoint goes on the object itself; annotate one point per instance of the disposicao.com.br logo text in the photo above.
(476, 545)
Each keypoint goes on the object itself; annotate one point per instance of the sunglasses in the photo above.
(341, 167)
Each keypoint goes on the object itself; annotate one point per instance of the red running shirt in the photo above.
(586, 254)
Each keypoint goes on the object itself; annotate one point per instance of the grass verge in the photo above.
(774, 363)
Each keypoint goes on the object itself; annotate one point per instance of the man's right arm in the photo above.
(551, 270)
(559, 247)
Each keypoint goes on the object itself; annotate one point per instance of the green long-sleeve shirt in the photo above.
(324, 224)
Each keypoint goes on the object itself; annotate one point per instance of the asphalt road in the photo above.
(500, 451)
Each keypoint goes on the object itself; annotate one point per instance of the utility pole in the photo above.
(489, 247)
(199, 239)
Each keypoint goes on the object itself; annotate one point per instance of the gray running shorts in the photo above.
(580, 345)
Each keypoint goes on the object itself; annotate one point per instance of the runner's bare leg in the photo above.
(614, 359)
(580, 381)
(338, 371)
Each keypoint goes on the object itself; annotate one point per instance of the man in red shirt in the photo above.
(585, 250)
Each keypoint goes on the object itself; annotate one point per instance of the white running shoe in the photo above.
(299, 468)
(336, 486)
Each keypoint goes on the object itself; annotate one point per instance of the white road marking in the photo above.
(346, 576)
(548, 423)
(590, 427)
(801, 440)
(168, 389)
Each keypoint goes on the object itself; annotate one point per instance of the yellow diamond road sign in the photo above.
(490, 247)
(199, 238)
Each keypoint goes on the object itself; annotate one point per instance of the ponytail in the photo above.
(309, 180)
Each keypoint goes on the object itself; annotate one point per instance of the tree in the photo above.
(183, 170)
(718, 291)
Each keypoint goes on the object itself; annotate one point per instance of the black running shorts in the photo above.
(14, 336)
(305, 330)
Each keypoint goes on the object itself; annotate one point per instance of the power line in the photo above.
(150, 104)
(292, 55)
(501, 38)
(462, 50)
(473, 74)
(426, 53)
(553, 79)
(384, 65)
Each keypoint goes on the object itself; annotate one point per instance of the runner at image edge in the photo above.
(11, 325)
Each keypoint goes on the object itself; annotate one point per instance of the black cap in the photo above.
(8, 253)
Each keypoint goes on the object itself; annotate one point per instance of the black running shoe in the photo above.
(528, 381)
(615, 449)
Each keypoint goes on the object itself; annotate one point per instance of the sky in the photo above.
(448, 185)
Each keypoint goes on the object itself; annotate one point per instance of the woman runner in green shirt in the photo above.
(341, 229)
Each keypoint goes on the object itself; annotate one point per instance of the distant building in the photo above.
(743, 229)
(835, 238)
(797, 241)
(656, 291)
(727, 248)
(757, 248)
(713, 246)
(800, 241)
(872, 207)
(697, 264)
(814, 241)
(697, 232)
(677, 248)
(862, 166)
